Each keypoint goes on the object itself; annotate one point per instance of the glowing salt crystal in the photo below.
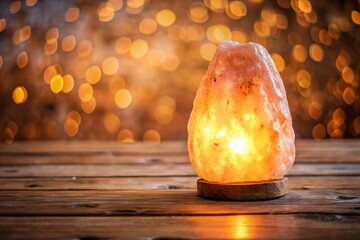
(240, 128)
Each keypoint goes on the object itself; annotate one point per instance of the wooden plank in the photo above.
(324, 182)
(341, 151)
(121, 170)
(322, 169)
(51, 147)
(47, 147)
(302, 226)
(170, 203)
(107, 158)
(118, 170)
(110, 183)
(328, 144)
(111, 158)
(328, 156)
(123, 183)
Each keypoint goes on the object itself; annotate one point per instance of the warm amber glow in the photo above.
(110, 65)
(75, 116)
(356, 125)
(239, 145)
(138, 48)
(134, 6)
(303, 78)
(319, 131)
(348, 75)
(218, 33)
(57, 83)
(22, 35)
(19, 95)
(71, 127)
(111, 122)
(342, 61)
(123, 45)
(52, 35)
(123, 98)
(89, 106)
(349, 95)
(207, 51)
(165, 17)
(316, 52)
(117, 4)
(135, 3)
(156, 57)
(49, 73)
(85, 92)
(355, 16)
(198, 12)
(304, 6)
(68, 43)
(315, 110)
(171, 62)
(72, 14)
(15, 7)
(240, 127)
(2, 24)
(236, 9)
(279, 62)
(116, 83)
(216, 5)
(93, 74)
(68, 83)
(241, 226)
(106, 12)
(153, 49)
(50, 48)
(125, 135)
(152, 136)
(164, 111)
(239, 36)
(22, 60)
(299, 53)
(84, 48)
(148, 26)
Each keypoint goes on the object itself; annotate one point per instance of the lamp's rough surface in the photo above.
(240, 128)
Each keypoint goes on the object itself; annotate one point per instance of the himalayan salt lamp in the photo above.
(240, 134)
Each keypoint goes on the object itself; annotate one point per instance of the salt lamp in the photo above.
(240, 134)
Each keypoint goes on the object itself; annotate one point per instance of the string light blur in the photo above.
(129, 70)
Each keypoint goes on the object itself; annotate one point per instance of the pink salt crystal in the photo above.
(240, 128)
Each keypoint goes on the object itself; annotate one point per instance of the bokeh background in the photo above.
(129, 70)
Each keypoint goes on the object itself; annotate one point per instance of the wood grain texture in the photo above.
(103, 190)
(165, 183)
(56, 147)
(301, 226)
(307, 151)
(121, 170)
(170, 203)
(102, 159)
(249, 191)
(94, 147)
(111, 158)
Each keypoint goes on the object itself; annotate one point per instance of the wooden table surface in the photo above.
(111, 190)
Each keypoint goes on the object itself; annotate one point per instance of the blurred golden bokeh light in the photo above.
(123, 98)
(57, 83)
(129, 70)
(19, 95)
(165, 17)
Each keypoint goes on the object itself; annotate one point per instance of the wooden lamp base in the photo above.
(262, 190)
